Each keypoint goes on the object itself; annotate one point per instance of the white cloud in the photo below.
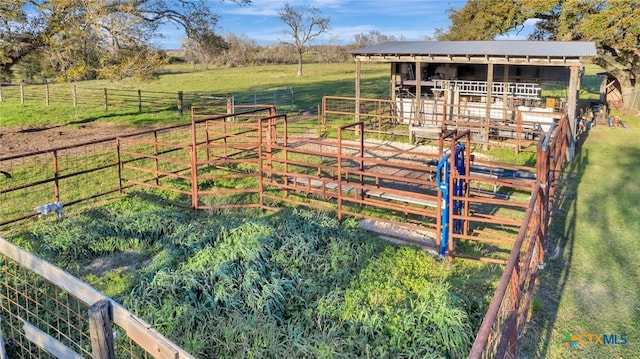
(403, 19)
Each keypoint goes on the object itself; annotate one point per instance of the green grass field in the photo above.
(591, 284)
(319, 80)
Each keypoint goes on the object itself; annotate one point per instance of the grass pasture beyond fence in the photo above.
(159, 99)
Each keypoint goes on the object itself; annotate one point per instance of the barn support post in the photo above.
(487, 121)
(505, 93)
(392, 90)
(572, 102)
(418, 107)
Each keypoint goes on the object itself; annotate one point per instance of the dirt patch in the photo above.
(24, 139)
(118, 262)
(396, 233)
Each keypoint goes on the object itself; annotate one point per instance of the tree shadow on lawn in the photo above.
(601, 287)
(559, 255)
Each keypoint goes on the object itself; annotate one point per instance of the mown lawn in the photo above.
(591, 284)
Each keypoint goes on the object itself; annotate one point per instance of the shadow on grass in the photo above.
(560, 246)
(109, 115)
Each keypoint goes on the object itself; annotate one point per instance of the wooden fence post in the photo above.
(100, 330)
(180, 102)
(46, 94)
(291, 96)
(106, 102)
(22, 93)
(139, 100)
(0, 92)
(3, 351)
(75, 96)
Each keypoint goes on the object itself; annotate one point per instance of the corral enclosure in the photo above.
(255, 158)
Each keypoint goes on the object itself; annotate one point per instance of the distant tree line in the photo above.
(229, 50)
(241, 51)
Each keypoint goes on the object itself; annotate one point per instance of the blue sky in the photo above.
(404, 19)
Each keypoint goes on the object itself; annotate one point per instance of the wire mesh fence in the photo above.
(47, 313)
(27, 300)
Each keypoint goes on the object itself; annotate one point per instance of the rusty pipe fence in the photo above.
(504, 322)
(70, 175)
(494, 124)
(248, 159)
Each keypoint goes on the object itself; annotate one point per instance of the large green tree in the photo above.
(108, 38)
(614, 25)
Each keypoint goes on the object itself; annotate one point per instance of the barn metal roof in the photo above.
(518, 48)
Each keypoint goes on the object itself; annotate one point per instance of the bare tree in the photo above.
(303, 25)
(241, 51)
(374, 37)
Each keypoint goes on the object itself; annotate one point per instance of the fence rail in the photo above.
(489, 124)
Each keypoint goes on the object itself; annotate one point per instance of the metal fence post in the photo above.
(56, 176)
